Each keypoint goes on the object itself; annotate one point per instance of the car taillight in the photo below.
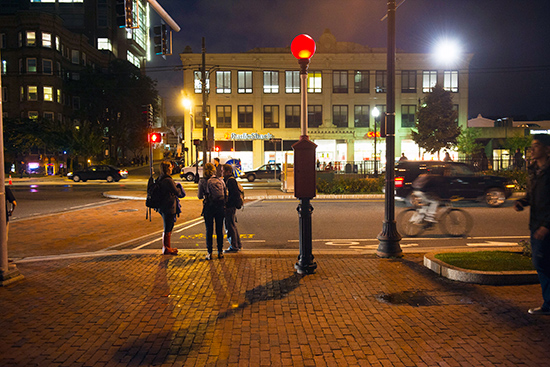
(399, 182)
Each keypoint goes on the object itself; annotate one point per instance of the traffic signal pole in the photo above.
(204, 114)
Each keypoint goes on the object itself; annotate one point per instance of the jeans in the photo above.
(541, 261)
(214, 214)
(233, 236)
(168, 221)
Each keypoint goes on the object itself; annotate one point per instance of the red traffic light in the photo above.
(217, 149)
(154, 138)
(302, 46)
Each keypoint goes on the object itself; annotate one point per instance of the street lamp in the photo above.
(303, 47)
(375, 114)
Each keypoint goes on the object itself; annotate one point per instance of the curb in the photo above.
(477, 276)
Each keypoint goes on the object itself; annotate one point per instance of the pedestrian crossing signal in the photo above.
(155, 138)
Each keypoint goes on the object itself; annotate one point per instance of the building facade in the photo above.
(254, 100)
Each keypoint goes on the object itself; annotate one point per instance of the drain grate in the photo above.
(411, 298)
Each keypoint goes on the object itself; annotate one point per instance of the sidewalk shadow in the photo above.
(276, 289)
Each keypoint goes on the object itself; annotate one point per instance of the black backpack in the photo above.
(153, 199)
(240, 199)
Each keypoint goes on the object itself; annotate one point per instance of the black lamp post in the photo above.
(389, 237)
(303, 47)
(375, 114)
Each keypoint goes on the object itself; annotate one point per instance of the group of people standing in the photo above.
(220, 194)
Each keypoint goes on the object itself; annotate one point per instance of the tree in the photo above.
(436, 126)
(466, 142)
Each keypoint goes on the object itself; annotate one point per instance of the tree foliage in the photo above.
(466, 142)
(436, 126)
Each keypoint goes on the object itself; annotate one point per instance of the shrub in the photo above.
(519, 176)
(349, 185)
(526, 247)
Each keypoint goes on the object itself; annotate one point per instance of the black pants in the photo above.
(214, 212)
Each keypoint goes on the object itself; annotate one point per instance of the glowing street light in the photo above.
(303, 47)
(447, 51)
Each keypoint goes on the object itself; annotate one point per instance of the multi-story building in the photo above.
(254, 100)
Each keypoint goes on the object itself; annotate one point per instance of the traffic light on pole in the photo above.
(163, 40)
(155, 138)
(126, 17)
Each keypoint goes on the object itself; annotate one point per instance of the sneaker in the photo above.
(209, 256)
(539, 311)
(231, 249)
(220, 255)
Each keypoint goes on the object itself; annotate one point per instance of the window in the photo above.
(245, 117)
(292, 116)
(33, 115)
(314, 115)
(198, 82)
(271, 117)
(76, 102)
(223, 117)
(292, 81)
(314, 82)
(31, 65)
(361, 81)
(59, 72)
(59, 96)
(47, 67)
(223, 82)
(361, 116)
(271, 82)
(339, 81)
(429, 80)
(408, 81)
(75, 57)
(104, 44)
(48, 94)
(4, 66)
(340, 115)
(450, 80)
(84, 59)
(46, 40)
(4, 94)
(21, 93)
(2, 40)
(199, 116)
(408, 115)
(244, 81)
(31, 38)
(381, 81)
(32, 93)
(57, 43)
(48, 116)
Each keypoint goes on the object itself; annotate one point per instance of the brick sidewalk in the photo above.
(252, 309)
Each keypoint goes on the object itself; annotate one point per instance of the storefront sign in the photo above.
(253, 136)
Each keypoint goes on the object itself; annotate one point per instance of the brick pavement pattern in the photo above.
(254, 310)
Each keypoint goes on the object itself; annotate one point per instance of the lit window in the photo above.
(292, 81)
(104, 44)
(4, 66)
(314, 82)
(32, 93)
(198, 82)
(223, 82)
(57, 43)
(48, 94)
(46, 40)
(59, 96)
(271, 82)
(450, 80)
(33, 115)
(429, 80)
(244, 82)
(31, 65)
(31, 38)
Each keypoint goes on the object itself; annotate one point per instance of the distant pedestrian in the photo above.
(213, 191)
(170, 206)
(218, 166)
(403, 158)
(538, 198)
(447, 157)
(233, 236)
(518, 159)
(10, 199)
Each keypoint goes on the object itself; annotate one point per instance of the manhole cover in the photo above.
(128, 210)
(411, 298)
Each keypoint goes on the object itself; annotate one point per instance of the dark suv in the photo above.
(462, 181)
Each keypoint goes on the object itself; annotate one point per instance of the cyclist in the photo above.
(431, 188)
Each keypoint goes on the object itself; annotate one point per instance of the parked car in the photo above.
(270, 170)
(188, 173)
(99, 172)
(462, 181)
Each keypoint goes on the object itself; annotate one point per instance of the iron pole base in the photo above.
(10, 276)
(305, 264)
(389, 241)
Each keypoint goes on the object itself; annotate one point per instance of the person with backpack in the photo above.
(213, 191)
(169, 207)
(234, 202)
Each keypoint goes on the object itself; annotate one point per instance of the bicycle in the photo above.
(453, 222)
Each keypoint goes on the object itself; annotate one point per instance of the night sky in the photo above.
(510, 40)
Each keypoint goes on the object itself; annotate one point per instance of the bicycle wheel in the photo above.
(456, 223)
(406, 223)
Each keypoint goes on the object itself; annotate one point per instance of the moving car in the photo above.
(99, 172)
(462, 181)
(270, 170)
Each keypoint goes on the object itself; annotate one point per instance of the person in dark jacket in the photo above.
(538, 198)
(214, 194)
(170, 207)
(10, 199)
(233, 236)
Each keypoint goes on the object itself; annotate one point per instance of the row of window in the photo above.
(35, 93)
(340, 81)
(30, 39)
(271, 116)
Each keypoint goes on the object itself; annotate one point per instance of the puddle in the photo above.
(411, 298)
